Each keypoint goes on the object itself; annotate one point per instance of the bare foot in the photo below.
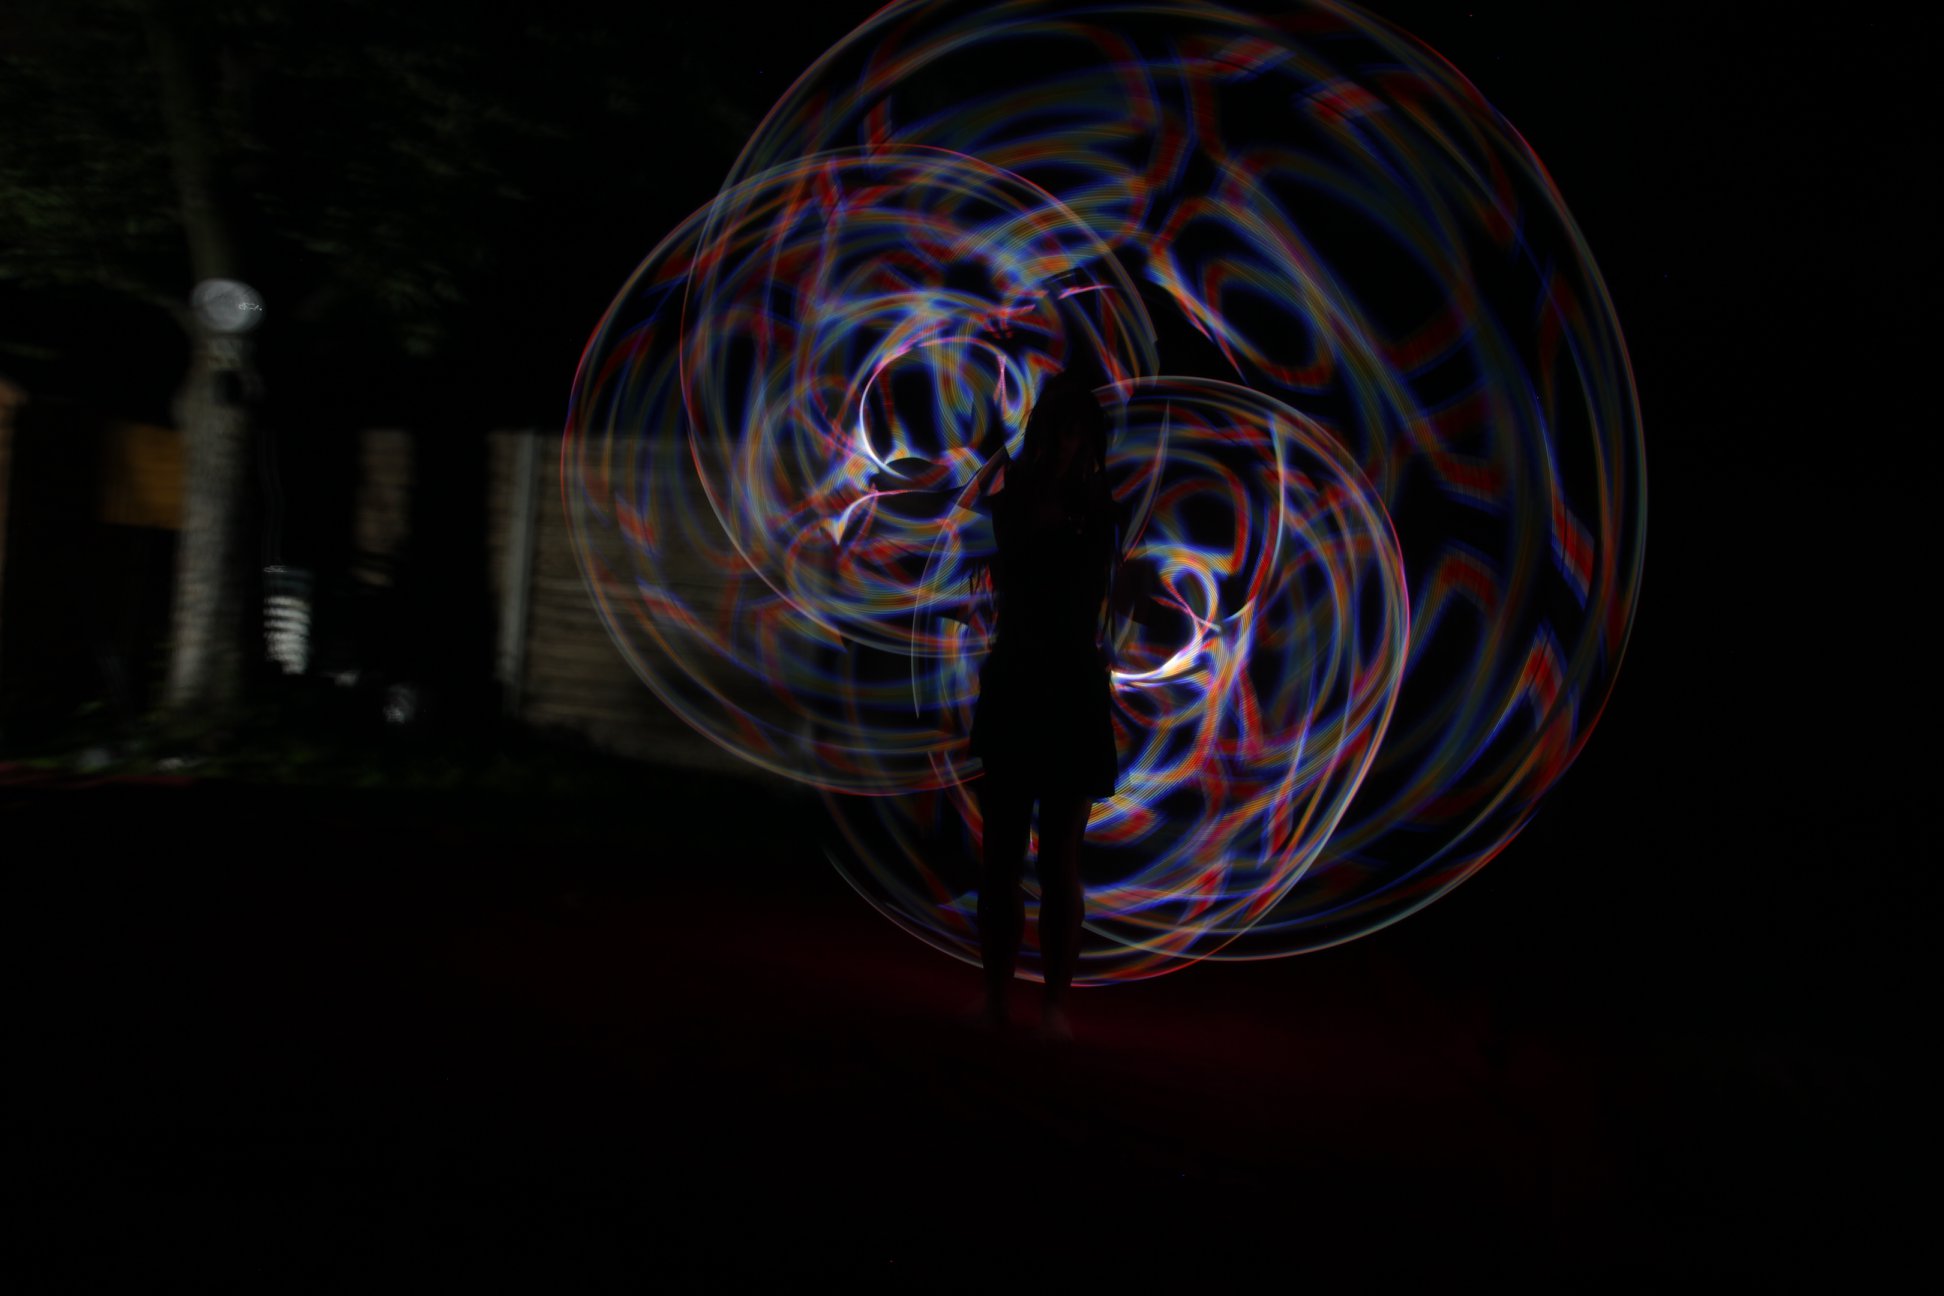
(985, 1014)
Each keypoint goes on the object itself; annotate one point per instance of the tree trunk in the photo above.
(206, 657)
(206, 650)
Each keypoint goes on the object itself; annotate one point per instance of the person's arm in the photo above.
(991, 477)
(926, 486)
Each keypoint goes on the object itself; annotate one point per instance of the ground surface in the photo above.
(283, 1040)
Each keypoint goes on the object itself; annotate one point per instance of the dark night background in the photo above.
(664, 1052)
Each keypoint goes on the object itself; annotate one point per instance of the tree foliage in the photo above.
(403, 172)
(408, 186)
(84, 166)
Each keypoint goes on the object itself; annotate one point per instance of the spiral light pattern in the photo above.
(1376, 449)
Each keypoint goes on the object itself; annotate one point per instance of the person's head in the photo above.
(1066, 434)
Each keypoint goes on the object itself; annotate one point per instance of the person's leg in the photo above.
(1007, 810)
(1063, 826)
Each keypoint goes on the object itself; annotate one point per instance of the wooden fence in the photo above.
(557, 667)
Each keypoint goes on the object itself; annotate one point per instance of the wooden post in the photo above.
(11, 399)
(381, 520)
(516, 588)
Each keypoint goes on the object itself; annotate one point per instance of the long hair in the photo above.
(1065, 400)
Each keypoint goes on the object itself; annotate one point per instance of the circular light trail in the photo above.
(1377, 453)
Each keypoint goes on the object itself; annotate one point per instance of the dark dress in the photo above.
(1045, 711)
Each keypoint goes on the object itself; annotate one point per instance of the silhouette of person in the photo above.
(1042, 726)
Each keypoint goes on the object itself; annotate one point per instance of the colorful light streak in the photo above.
(1377, 452)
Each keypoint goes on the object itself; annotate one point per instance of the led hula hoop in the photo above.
(1375, 440)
